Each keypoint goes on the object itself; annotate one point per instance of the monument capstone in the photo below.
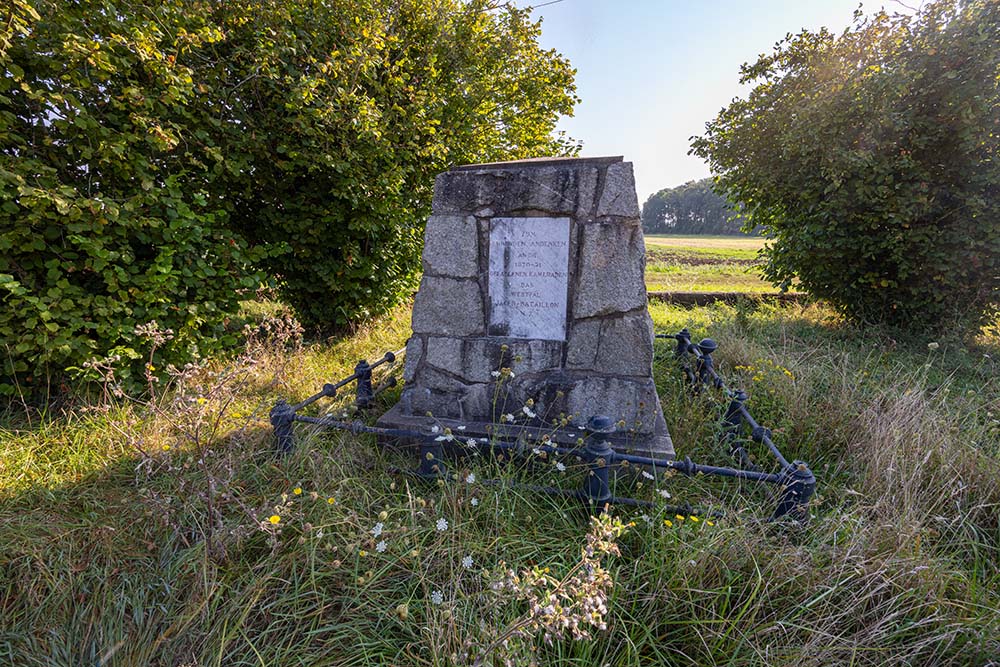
(531, 313)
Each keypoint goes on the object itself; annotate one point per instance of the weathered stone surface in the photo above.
(581, 346)
(475, 359)
(451, 246)
(612, 263)
(618, 196)
(414, 352)
(626, 345)
(449, 307)
(520, 189)
(601, 361)
(633, 401)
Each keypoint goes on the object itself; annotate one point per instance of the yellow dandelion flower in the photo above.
(166, 448)
(331, 500)
(668, 523)
(710, 523)
(202, 400)
(679, 517)
(297, 490)
(274, 519)
(694, 518)
(362, 553)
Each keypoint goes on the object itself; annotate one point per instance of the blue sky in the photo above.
(651, 73)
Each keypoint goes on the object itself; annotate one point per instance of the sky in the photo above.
(651, 73)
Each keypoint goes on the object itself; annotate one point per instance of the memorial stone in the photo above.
(533, 305)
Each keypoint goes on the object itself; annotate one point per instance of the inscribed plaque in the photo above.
(529, 265)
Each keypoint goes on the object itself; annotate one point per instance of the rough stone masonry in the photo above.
(533, 305)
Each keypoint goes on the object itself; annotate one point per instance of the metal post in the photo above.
(705, 366)
(431, 459)
(282, 417)
(733, 424)
(798, 486)
(365, 394)
(597, 486)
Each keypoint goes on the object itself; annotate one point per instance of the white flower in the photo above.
(536, 451)
(528, 411)
(461, 428)
(319, 534)
(508, 417)
(648, 475)
(664, 493)
(381, 546)
(435, 428)
(560, 466)
(437, 597)
(442, 524)
(467, 562)
(377, 529)
(471, 442)
(932, 345)
(445, 437)
(471, 479)
(474, 501)
(495, 374)
(646, 518)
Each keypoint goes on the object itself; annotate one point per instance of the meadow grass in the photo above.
(704, 264)
(164, 531)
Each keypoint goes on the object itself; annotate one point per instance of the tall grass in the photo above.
(142, 532)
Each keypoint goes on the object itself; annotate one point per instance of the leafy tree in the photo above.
(339, 114)
(871, 159)
(692, 208)
(106, 223)
(154, 156)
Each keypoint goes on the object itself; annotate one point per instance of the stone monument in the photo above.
(531, 316)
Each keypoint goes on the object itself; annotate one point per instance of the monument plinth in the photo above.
(534, 266)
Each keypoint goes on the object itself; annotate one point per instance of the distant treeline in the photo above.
(692, 208)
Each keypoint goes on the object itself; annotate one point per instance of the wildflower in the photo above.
(474, 501)
(471, 478)
(664, 493)
(471, 442)
(381, 546)
(679, 517)
(377, 529)
(648, 475)
(442, 524)
(668, 523)
(362, 553)
(933, 345)
(495, 374)
(645, 517)
(437, 597)
(508, 417)
(166, 448)
(529, 412)
(560, 466)
(319, 533)
(694, 518)
(201, 400)
(435, 428)
(331, 500)
(709, 523)
(297, 490)
(274, 519)
(467, 562)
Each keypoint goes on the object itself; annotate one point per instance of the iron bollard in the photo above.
(705, 366)
(798, 486)
(431, 459)
(282, 416)
(597, 486)
(364, 393)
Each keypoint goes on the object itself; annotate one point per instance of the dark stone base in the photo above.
(656, 445)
